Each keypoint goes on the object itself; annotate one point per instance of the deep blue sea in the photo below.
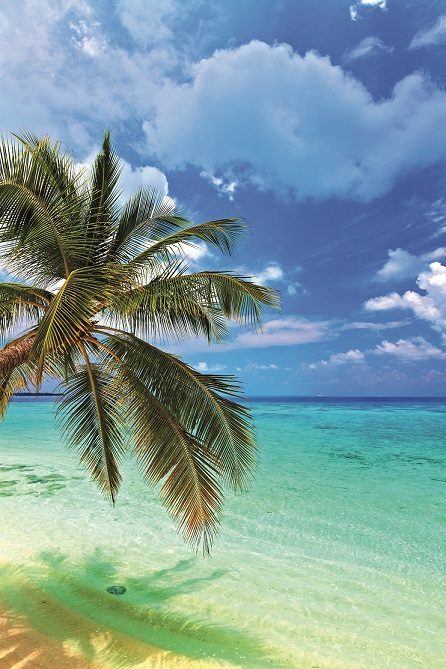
(335, 559)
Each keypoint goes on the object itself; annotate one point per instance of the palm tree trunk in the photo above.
(13, 355)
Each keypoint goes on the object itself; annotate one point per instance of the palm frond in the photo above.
(196, 304)
(148, 216)
(169, 308)
(19, 303)
(199, 402)
(224, 234)
(167, 454)
(104, 199)
(14, 370)
(58, 164)
(11, 383)
(93, 424)
(39, 220)
(70, 314)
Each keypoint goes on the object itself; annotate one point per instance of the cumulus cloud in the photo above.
(430, 306)
(401, 265)
(272, 272)
(432, 36)
(300, 127)
(204, 367)
(258, 114)
(415, 348)
(382, 4)
(404, 265)
(133, 178)
(369, 46)
(353, 356)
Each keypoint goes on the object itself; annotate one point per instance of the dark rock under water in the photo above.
(116, 589)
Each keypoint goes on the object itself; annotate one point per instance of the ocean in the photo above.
(335, 559)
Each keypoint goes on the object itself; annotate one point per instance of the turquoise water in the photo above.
(335, 559)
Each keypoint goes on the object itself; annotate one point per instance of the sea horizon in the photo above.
(289, 397)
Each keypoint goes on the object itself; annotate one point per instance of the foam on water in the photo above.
(335, 559)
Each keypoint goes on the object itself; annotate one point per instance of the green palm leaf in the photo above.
(39, 224)
(69, 316)
(147, 217)
(93, 425)
(15, 372)
(197, 401)
(104, 198)
(224, 235)
(19, 303)
(168, 308)
(168, 454)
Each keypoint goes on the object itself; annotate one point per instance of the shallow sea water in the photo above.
(335, 559)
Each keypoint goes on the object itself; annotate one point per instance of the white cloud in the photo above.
(437, 214)
(353, 356)
(255, 366)
(432, 36)
(401, 265)
(369, 46)
(430, 307)
(258, 114)
(133, 178)
(301, 126)
(147, 21)
(354, 9)
(374, 327)
(350, 356)
(204, 367)
(382, 4)
(293, 287)
(223, 187)
(272, 272)
(404, 265)
(88, 37)
(415, 348)
(283, 332)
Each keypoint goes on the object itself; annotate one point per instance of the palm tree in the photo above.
(100, 284)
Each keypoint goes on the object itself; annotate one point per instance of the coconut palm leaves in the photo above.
(100, 285)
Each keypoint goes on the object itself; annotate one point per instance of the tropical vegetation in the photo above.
(94, 286)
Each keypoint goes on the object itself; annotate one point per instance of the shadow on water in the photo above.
(69, 603)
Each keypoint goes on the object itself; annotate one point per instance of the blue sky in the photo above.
(321, 122)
